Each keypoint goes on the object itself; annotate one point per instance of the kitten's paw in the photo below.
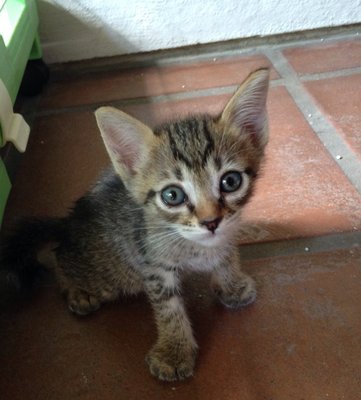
(238, 294)
(171, 363)
(81, 302)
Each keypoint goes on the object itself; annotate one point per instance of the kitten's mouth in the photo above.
(206, 238)
(211, 239)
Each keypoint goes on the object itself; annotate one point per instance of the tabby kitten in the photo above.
(172, 203)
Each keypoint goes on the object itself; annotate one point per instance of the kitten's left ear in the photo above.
(126, 139)
(246, 111)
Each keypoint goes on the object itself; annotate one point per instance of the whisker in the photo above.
(160, 239)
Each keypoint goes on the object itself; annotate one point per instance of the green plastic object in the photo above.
(19, 42)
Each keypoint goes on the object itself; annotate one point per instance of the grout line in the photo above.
(253, 50)
(176, 96)
(171, 97)
(313, 245)
(326, 132)
(141, 100)
(330, 74)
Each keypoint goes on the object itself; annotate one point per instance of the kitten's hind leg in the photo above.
(80, 302)
(233, 287)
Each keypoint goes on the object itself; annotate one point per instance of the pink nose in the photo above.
(211, 224)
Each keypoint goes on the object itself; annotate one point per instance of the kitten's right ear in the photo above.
(246, 111)
(126, 139)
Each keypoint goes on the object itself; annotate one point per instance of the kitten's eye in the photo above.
(173, 196)
(231, 181)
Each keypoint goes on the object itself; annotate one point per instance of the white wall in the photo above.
(81, 29)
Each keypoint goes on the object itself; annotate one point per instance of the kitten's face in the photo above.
(197, 179)
(193, 175)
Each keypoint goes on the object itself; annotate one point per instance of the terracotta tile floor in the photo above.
(302, 236)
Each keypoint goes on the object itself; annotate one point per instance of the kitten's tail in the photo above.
(19, 261)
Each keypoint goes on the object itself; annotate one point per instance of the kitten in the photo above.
(171, 203)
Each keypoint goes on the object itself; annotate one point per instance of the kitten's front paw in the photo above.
(238, 294)
(170, 363)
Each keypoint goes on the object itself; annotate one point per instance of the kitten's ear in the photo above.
(246, 111)
(126, 139)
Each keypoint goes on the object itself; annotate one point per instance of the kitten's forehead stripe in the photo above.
(218, 163)
(210, 143)
(178, 173)
(190, 141)
(177, 154)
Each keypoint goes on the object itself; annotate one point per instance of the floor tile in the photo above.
(310, 59)
(299, 340)
(152, 81)
(340, 99)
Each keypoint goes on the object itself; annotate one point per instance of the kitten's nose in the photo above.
(211, 224)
